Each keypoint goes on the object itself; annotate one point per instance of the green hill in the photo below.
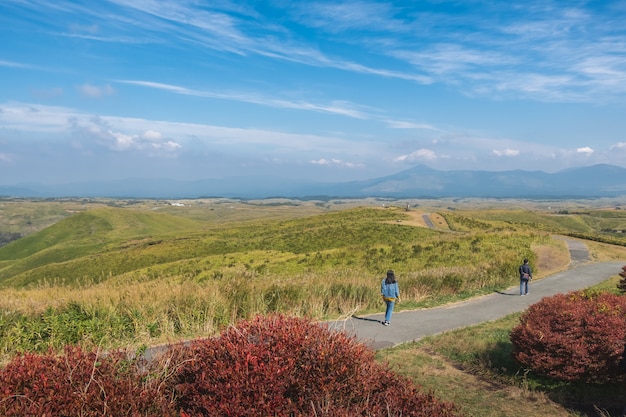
(101, 243)
(63, 251)
(106, 242)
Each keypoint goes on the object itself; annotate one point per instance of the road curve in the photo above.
(413, 325)
(407, 326)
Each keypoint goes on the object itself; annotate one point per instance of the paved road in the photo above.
(429, 223)
(413, 325)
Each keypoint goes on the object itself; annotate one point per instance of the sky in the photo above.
(307, 90)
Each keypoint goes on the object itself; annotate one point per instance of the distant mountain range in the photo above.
(417, 182)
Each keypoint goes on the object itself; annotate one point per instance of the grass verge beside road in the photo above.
(473, 368)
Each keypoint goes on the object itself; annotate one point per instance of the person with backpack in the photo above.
(391, 293)
(525, 275)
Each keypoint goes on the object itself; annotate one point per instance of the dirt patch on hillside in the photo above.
(416, 218)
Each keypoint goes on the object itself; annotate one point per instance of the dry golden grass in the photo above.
(439, 221)
(602, 252)
(473, 395)
(552, 257)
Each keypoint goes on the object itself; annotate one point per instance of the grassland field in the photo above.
(134, 273)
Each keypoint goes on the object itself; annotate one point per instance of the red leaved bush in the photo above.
(269, 366)
(79, 383)
(279, 366)
(578, 336)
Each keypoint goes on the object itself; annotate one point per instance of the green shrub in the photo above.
(578, 336)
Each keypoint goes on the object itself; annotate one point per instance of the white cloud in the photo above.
(5, 158)
(324, 161)
(94, 91)
(118, 132)
(120, 140)
(618, 146)
(397, 124)
(506, 152)
(116, 137)
(419, 155)
(586, 150)
(149, 140)
(169, 146)
(152, 135)
(336, 162)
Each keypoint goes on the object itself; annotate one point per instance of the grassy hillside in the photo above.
(107, 242)
(132, 275)
(608, 223)
(140, 275)
(72, 249)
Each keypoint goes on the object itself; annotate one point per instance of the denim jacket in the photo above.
(390, 290)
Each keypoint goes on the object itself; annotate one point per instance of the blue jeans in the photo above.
(523, 286)
(389, 310)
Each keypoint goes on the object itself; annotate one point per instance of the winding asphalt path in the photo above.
(407, 326)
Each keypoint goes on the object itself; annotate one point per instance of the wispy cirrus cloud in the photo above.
(11, 64)
(228, 28)
(349, 15)
(547, 52)
(336, 107)
(399, 124)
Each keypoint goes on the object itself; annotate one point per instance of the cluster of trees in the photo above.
(8, 237)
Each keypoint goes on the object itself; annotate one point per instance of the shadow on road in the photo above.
(504, 293)
(366, 319)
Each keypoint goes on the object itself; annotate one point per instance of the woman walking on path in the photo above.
(525, 275)
(391, 293)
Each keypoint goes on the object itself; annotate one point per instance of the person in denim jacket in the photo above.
(391, 293)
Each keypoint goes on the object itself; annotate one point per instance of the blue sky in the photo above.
(321, 90)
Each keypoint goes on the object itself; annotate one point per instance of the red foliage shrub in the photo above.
(621, 285)
(278, 366)
(269, 366)
(79, 383)
(579, 336)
